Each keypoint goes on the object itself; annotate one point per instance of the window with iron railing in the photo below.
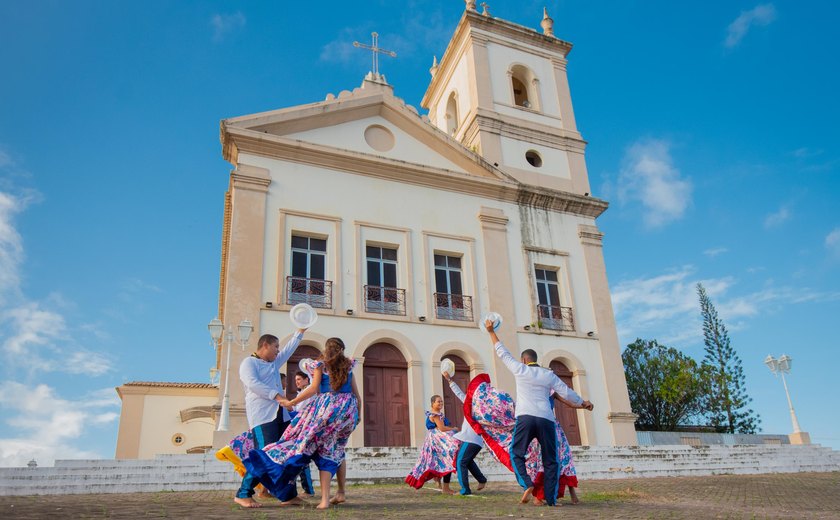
(385, 300)
(453, 307)
(551, 314)
(307, 283)
(381, 293)
(450, 302)
(553, 317)
(317, 293)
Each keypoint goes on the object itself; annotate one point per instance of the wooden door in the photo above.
(453, 408)
(385, 399)
(292, 366)
(567, 416)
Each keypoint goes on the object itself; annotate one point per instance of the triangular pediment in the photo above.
(368, 122)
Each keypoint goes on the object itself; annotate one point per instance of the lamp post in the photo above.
(216, 328)
(782, 366)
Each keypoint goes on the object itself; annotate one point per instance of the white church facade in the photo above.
(403, 230)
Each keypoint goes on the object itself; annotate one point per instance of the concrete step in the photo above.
(204, 472)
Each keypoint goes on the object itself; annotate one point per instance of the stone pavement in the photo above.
(786, 495)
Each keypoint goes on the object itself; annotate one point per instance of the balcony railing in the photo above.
(315, 292)
(453, 307)
(553, 317)
(385, 300)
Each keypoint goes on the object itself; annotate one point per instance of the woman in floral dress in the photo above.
(439, 451)
(319, 433)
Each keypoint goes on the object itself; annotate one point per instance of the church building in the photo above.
(402, 230)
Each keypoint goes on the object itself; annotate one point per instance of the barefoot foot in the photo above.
(481, 485)
(526, 496)
(323, 506)
(574, 496)
(338, 499)
(247, 502)
(297, 501)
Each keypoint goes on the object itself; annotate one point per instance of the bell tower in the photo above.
(501, 89)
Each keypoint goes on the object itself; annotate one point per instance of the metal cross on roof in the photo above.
(376, 51)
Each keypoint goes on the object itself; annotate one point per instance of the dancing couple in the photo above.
(536, 450)
(275, 450)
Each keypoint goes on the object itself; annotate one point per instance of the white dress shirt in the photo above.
(534, 385)
(262, 384)
(466, 434)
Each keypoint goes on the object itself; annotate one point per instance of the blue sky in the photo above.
(711, 127)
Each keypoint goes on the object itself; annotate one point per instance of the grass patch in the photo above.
(612, 496)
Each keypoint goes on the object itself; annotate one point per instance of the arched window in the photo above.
(451, 115)
(524, 87)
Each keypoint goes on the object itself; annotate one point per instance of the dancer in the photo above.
(319, 433)
(301, 382)
(437, 456)
(471, 444)
(568, 474)
(534, 416)
(260, 374)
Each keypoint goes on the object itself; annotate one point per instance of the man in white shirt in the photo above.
(260, 374)
(471, 444)
(535, 415)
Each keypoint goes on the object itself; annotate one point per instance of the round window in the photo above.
(178, 439)
(379, 138)
(533, 158)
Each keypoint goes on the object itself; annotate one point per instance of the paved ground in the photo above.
(794, 495)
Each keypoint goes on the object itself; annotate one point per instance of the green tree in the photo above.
(727, 401)
(667, 388)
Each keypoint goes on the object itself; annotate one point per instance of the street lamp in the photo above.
(782, 366)
(216, 328)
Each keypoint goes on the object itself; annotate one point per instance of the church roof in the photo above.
(275, 134)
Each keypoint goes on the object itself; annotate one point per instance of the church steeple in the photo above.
(501, 89)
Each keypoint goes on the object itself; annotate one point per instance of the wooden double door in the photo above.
(567, 416)
(385, 399)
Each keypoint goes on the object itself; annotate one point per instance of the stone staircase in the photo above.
(391, 465)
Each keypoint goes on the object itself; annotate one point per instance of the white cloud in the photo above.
(34, 333)
(778, 218)
(648, 176)
(40, 337)
(758, 16)
(806, 153)
(46, 423)
(832, 242)
(32, 326)
(666, 306)
(715, 251)
(224, 24)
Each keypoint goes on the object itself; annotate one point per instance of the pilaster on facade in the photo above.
(590, 235)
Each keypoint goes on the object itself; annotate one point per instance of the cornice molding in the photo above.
(622, 417)
(493, 218)
(275, 147)
(544, 250)
(524, 130)
(520, 33)
(590, 235)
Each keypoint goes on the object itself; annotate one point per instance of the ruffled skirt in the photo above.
(437, 458)
(319, 433)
